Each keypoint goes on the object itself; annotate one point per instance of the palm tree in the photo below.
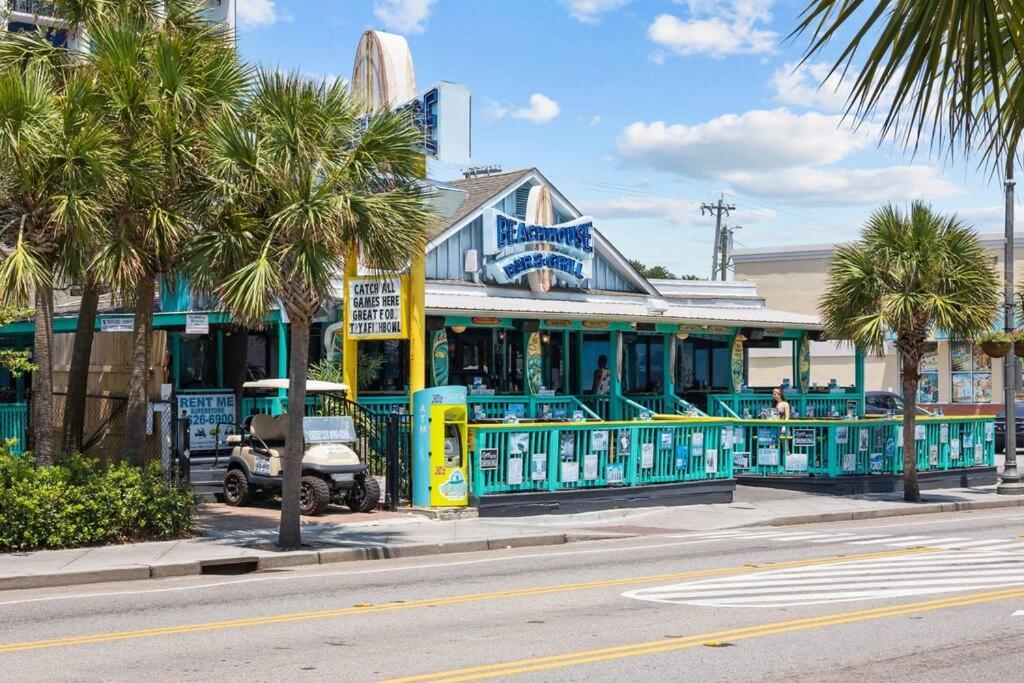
(947, 71)
(166, 72)
(301, 179)
(57, 169)
(909, 275)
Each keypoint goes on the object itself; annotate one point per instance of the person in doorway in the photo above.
(602, 376)
(780, 404)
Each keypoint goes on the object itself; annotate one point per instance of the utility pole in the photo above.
(725, 251)
(1010, 484)
(717, 210)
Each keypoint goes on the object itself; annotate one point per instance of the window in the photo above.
(386, 365)
(972, 374)
(197, 364)
(644, 361)
(928, 385)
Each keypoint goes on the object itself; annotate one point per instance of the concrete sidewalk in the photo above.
(234, 541)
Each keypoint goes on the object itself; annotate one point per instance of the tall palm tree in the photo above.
(57, 169)
(910, 274)
(300, 179)
(166, 72)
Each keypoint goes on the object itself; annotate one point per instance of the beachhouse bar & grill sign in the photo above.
(516, 248)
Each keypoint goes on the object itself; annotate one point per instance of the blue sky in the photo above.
(640, 110)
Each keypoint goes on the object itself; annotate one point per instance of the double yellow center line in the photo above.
(652, 647)
(94, 638)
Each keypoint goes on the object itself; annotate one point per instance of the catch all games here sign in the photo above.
(375, 308)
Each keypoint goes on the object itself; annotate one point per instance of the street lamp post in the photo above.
(1010, 484)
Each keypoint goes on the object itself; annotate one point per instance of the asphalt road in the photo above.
(915, 598)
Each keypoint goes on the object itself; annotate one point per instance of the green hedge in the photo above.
(78, 502)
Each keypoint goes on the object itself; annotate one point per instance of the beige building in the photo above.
(956, 375)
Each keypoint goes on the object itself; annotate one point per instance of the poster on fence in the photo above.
(875, 463)
(615, 473)
(726, 438)
(796, 462)
(665, 438)
(740, 460)
(954, 449)
(899, 434)
(803, 436)
(567, 447)
(943, 433)
(968, 439)
(979, 454)
(862, 440)
(711, 461)
(647, 456)
(570, 471)
(990, 431)
(933, 454)
(919, 433)
(599, 440)
(890, 447)
(878, 436)
(515, 471)
(207, 414)
(539, 467)
(518, 443)
(738, 436)
(590, 467)
(622, 443)
(842, 435)
(682, 456)
(488, 458)
(697, 444)
(849, 462)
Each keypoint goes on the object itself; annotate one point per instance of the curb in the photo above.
(296, 558)
(918, 509)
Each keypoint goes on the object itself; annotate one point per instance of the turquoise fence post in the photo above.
(614, 363)
(832, 451)
(631, 461)
(554, 461)
(858, 378)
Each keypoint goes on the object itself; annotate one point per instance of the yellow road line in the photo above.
(92, 638)
(673, 644)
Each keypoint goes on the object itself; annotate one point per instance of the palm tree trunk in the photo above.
(290, 535)
(42, 379)
(138, 385)
(911, 490)
(78, 373)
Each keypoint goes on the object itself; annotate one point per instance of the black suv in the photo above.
(882, 402)
(1001, 428)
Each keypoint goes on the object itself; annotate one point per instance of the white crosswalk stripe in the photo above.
(877, 578)
(852, 538)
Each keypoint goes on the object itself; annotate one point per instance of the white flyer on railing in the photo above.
(796, 462)
(647, 456)
(590, 467)
(849, 462)
(943, 433)
(570, 471)
(711, 461)
(515, 471)
(539, 467)
(726, 438)
(954, 449)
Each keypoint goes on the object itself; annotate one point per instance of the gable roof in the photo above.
(479, 192)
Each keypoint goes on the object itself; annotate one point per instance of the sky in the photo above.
(640, 111)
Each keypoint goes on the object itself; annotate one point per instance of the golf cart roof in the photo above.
(313, 386)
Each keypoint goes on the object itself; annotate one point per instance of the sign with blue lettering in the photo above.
(206, 414)
(516, 248)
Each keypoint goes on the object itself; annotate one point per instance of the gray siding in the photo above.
(605, 277)
(447, 260)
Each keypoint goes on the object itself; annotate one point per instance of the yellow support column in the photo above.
(417, 323)
(349, 346)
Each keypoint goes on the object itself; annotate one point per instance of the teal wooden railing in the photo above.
(527, 407)
(13, 426)
(385, 404)
(511, 458)
(835, 448)
(754, 405)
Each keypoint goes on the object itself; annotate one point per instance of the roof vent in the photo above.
(480, 171)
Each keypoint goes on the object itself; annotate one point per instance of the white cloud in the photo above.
(541, 110)
(590, 11)
(759, 140)
(252, 13)
(681, 212)
(814, 85)
(845, 187)
(403, 16)
(717, 28)
(589, 122)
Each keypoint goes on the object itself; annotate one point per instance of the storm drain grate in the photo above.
(232, 567)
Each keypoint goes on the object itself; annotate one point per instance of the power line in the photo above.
(720, 248)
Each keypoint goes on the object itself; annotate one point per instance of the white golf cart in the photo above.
(331, 469)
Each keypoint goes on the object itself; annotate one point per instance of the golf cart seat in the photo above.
(270, 429)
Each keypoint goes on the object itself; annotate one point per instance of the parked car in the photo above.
(882, 402)
(1001, 429)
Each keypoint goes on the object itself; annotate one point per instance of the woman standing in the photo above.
(780, 404)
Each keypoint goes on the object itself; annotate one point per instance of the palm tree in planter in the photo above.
(911, 274)
(301, 179)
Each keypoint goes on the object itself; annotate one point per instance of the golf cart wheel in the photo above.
(236, 488)
(314, 496)
(365, 494)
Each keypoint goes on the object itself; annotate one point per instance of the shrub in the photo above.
(77, 502)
